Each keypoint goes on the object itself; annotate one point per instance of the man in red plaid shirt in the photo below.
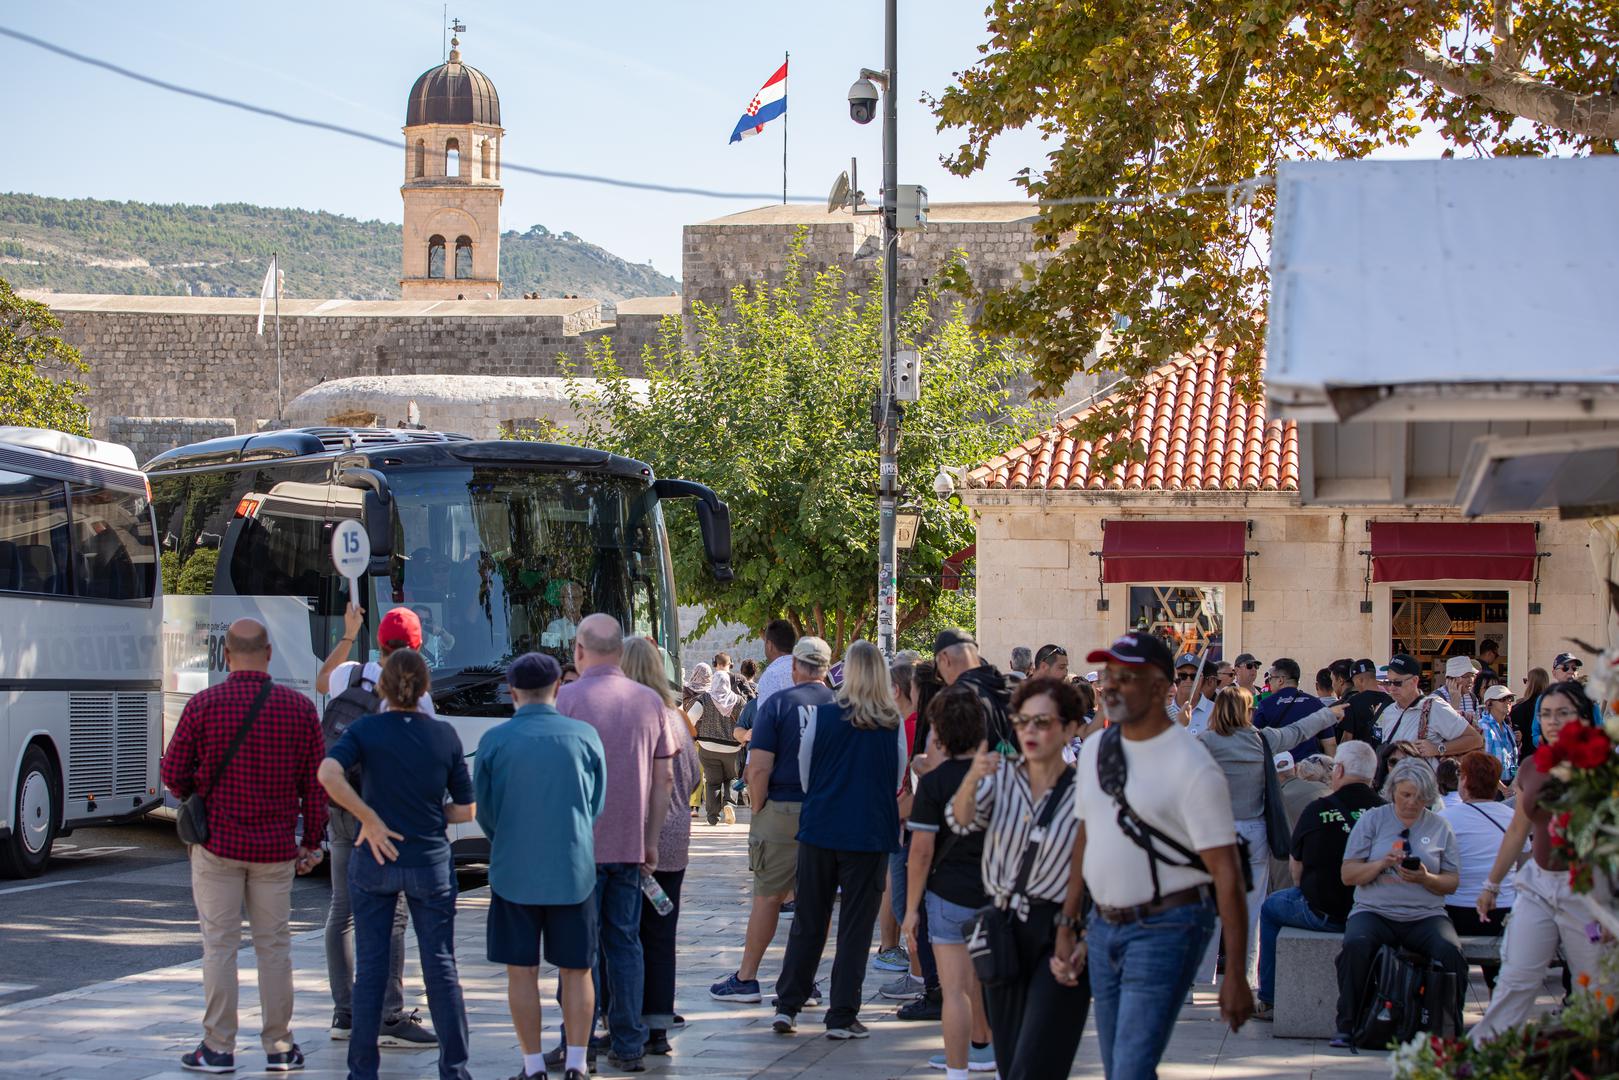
(252, 851)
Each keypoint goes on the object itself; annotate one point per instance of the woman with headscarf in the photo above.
(717, 745)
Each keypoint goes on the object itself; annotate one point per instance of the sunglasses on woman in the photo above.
(1038, 721)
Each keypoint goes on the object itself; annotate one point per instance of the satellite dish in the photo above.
(840, 194)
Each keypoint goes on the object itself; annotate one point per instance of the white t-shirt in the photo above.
(1479, 828)
(343, 672)
(1173, 785)
(1397, 724)
(1202, 713)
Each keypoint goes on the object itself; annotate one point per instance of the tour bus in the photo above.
(500, 547)
(80, 618)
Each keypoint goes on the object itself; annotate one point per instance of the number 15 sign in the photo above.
(351, 554)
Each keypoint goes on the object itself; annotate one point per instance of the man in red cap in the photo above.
(355, 686)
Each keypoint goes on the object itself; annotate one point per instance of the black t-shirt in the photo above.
(1318, 842)
(956, 875)
(1522, 717)
(1360, 719)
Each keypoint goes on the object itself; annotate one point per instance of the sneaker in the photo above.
(571, 1074)
(342, 1027)
(205, 1060)
(291, 1061)
(728, 815)
(657, 1042)
(784, 1024)
(1342, 1041)
(789, 907)
(904, 988)
(407, 1030)
(1264, 1010)
(855, 1030)
(929, 1006)
(979, 1059)
(814, 996)
(894, 959)
(626, 1064)
(677, 1022)
(731, 988)
(557, 1057)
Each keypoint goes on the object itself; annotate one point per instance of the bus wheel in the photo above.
(26, 851)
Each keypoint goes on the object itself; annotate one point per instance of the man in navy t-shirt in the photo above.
(409, 762)
(776, 797)
(1286, 704)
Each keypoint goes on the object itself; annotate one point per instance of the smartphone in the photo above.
(1411, 862)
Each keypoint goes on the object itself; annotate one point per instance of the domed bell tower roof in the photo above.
(453, 93)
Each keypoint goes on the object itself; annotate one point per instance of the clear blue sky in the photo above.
(632, 88)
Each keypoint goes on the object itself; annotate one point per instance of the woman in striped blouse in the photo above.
(1036, 1021)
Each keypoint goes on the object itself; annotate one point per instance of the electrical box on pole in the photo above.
(907, 375)
(911, 206)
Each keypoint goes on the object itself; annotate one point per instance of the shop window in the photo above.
(1188, 618)
(435, 256)
(1436, 624)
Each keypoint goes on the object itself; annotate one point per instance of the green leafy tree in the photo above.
(36, 368)
(771, 406)
(1142, 101)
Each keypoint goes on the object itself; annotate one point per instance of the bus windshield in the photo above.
(500, 560)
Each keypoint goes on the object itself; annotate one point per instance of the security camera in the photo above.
(944, 485)
(862, 101)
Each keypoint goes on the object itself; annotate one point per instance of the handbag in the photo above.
(1406, 993)
(192, 820)
(990, 937)
(1277, 833)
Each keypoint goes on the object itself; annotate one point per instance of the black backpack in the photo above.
(1406, 993)
(358, 699)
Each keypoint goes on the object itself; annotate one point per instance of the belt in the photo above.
(1137, 913)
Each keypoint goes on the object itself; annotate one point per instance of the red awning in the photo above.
(1452, 551)
(950, 573)
(1173, 551)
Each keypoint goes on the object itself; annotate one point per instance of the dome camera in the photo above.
(862, 101)
(944, 485)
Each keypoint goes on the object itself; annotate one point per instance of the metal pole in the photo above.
(887, 418)
(786, 58)
(275, 283)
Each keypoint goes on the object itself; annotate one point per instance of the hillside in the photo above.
(95, 246)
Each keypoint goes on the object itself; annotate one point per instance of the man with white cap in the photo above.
(1496, 727)
(1458, 689)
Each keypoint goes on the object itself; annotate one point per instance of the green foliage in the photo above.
(168, 564)
(197, 578)
(1140, 101)
(93, 245)
(771, 407)
(37, 388)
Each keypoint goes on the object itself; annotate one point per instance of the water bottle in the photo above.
(655, 895)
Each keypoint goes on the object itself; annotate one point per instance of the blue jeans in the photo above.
(1140, 973)
(620, 963)
(1285, 908)
(374, 892)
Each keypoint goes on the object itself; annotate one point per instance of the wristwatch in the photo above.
(1439, 744)
(1065, 920)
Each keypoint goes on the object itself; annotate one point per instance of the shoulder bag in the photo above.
(1277, 834)
(192, 820)
(991, 941)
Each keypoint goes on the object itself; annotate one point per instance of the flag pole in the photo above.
(275, 283)
(785, 57)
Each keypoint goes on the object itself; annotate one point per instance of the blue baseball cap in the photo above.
(533, 671)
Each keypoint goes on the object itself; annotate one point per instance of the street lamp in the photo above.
(907, 525)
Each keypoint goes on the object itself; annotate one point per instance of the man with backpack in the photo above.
(1159, 884)
(352, 685)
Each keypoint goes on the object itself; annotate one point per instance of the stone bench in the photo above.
(1307, 980)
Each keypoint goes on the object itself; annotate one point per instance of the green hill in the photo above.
(95, 246)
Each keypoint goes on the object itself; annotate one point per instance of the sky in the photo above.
(642, 89)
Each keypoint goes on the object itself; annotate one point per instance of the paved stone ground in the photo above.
(135, 1028)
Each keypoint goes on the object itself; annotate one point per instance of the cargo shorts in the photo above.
(773, 848)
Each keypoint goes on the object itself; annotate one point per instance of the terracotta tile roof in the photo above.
(1199, 434)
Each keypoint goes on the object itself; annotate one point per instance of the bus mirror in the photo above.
(713, 517)
(378, 503)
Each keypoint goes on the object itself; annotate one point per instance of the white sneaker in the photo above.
(784, 1024)
(728, 815)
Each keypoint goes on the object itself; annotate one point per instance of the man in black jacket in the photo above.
(955, 654)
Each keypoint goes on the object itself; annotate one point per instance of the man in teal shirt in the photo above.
(541, 781)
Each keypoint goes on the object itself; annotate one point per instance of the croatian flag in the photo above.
(769, 103)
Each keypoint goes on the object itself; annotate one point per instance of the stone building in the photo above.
(452, 186)
(1205, 541)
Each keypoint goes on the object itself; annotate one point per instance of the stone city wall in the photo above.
(149, 436)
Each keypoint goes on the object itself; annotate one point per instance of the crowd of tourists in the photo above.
(1029, 849)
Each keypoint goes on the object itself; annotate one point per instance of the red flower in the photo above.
(1588, 747)
(1549, 756)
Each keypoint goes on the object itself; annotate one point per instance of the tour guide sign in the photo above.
(351, 554)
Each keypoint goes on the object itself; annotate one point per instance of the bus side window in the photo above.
(33, 535)
(114, 551)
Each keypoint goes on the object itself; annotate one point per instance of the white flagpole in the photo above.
(275, 269)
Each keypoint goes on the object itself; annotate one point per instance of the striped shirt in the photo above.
(1005, 811)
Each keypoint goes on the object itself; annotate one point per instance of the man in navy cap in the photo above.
(541, 783)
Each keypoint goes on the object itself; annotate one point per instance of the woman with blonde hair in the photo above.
(1247, 757)
(851, 758)
(644, 665)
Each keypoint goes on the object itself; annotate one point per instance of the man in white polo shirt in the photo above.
(1157, 893)
(1427, 722)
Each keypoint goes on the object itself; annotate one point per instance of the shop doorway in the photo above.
(1189, 618)
(1435, 624)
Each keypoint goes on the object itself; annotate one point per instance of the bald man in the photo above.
(252, 850)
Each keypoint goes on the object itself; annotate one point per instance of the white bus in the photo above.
(80, 617)
(501, 547)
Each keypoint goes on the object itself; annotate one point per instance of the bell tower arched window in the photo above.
(463, 256)
(485, 150)
(435, 256)
(421, 158)
(452, 158)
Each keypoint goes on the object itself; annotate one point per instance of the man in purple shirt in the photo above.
(640, 753)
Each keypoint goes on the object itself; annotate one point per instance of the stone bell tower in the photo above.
(452, 186)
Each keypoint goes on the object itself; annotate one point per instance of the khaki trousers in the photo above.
(221, 888)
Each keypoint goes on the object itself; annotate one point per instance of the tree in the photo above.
(771, 406)
(36, 387)
(1143, 101)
